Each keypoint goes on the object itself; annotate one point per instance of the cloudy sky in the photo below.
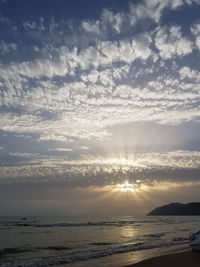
(96, 93)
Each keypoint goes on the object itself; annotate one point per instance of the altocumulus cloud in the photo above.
(149, 169)
(64, 82)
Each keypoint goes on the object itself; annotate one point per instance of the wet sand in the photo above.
(183, 259)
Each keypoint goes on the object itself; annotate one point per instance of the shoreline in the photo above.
(130, 258)
(184, 259)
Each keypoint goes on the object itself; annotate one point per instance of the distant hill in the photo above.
(177, 209)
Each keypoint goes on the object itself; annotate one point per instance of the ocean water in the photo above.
(88, 241)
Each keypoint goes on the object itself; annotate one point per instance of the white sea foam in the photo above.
(90, 254)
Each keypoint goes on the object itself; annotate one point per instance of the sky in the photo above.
(99, 106)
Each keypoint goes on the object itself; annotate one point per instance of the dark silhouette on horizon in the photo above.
(176, 209)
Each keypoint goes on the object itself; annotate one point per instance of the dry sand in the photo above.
(183, 259)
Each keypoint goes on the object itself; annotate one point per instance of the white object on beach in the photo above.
(195, 241)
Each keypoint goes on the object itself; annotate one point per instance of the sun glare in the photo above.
(125, 187)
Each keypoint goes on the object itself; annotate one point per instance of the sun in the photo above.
(125, 187)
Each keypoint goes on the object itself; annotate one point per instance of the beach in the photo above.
(183, 259)
(107, 242)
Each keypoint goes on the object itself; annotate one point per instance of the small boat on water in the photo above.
(195, 241)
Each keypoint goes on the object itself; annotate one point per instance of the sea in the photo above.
(91, 241)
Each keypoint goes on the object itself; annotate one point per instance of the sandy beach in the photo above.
(183, 259)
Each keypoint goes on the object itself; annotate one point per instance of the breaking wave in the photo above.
(83, 224)
(89, 254)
